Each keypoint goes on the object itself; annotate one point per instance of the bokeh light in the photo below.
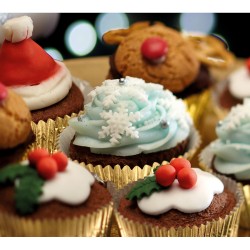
(54, 53)
(197, 22)
(107, 21)
(80, 38)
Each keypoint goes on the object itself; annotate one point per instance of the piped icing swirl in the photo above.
(128, 116)
(47, 92)
(191, 200)
(232, 148)
(239, 83)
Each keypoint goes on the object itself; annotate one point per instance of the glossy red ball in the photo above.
(36, 155)
(154, 48)
(180, 163)
(61, 160)
(165, 175)
(47, 167)
(248, 64)
(187, 178)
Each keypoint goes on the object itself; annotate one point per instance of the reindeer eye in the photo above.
(154, 48)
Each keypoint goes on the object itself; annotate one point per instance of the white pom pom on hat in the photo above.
(18, 29)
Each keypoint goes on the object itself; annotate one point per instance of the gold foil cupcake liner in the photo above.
(46, 132)
(121, 176)
(95, 224)
(245, 212)
(196, 105)
(205, 162)
(222, 227)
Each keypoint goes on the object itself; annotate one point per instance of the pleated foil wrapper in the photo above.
(95, 224)
(46, 132)
(196, 105)
(205, 162)
(222, 227)
(121, 176)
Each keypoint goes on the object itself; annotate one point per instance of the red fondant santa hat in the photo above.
(23, 61)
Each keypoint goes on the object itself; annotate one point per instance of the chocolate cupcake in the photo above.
(229, 154)
(130, 123)
(235, 88)
(157, 53)
(15, 128)
(52, 197)
(207, 206)
(45, 84)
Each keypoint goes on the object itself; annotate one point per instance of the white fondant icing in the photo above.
(239, 83)
(191, 200)
(18, 29)
(72, 186)
(48, 92)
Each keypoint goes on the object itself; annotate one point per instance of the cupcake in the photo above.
(235, 88)
(129, 123)
(45, 84)
(177, 201)
(229, 154)
(15, 129)
(157, 53)
(52, 196)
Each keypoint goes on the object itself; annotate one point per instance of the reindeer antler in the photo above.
(116, 36)
(211, 51)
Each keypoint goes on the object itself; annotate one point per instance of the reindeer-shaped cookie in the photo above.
(163, 55)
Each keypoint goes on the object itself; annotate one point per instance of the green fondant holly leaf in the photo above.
(27, 192)
(14, 171)
(144, 188)
(28, 186)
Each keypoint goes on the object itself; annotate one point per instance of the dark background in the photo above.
(232, 26)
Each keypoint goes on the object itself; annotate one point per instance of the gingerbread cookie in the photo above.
(15, 119)
(160, 54)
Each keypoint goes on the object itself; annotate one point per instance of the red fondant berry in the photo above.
(180, 163)
(154, 48)
(47, 167)
(187, 178)
(3, 92)
(61, 160)
(248, 64)
(165, 175)
(36, 155)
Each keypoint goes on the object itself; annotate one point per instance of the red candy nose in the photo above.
(3, 92)
(154, 48)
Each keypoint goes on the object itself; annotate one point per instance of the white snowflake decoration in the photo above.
(119, 123)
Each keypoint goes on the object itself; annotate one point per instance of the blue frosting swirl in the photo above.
(232, 148)
(127, 117)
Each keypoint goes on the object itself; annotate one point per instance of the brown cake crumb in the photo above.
(98, 198)
(226, 99)
(72, 103)
(221, 206)
(83, 154)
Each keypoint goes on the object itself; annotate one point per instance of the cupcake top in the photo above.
(239, 82)
(127, 116)
(15, 119)
(172, 185)
(28, 70)
(232, 148)
(46, 178)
